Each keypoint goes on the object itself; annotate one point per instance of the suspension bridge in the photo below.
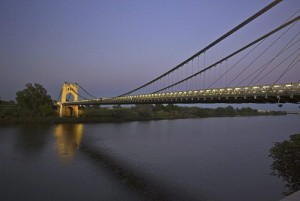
(261, 71)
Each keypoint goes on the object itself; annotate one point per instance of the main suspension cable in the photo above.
(288, 68)
(275, 41)
(248, 20)
(277, 66)
(234, 53)
(86, 91)
(59, 95)
(285, 48)
(78, 94)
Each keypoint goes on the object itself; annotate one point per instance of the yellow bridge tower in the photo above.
(69, 110)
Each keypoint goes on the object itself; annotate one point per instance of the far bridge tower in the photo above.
(68, 89)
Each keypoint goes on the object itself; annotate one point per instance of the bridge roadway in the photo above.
(282, 93)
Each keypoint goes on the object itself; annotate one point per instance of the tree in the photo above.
(158, 108)
(171, 107)
(145, 111)
(286, 163)
(34, 100)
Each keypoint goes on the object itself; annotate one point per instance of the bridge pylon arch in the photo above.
(69, 110)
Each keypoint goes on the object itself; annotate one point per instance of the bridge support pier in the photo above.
(68, 111)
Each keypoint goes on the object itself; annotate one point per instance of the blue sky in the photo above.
(110, 47)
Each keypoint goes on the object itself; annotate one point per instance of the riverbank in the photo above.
(135, 113)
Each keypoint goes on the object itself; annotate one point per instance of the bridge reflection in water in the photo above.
(68, 138)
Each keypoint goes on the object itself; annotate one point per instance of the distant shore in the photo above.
(137, 113)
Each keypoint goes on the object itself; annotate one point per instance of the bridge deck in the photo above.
(283, 93)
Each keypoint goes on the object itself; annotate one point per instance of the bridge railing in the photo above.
(245, 92)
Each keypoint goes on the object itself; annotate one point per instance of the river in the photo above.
(191, 159)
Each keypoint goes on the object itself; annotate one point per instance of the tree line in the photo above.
(169, 111)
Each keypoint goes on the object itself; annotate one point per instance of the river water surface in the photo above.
(192, 159)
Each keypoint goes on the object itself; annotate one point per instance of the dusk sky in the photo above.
(110, 47)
